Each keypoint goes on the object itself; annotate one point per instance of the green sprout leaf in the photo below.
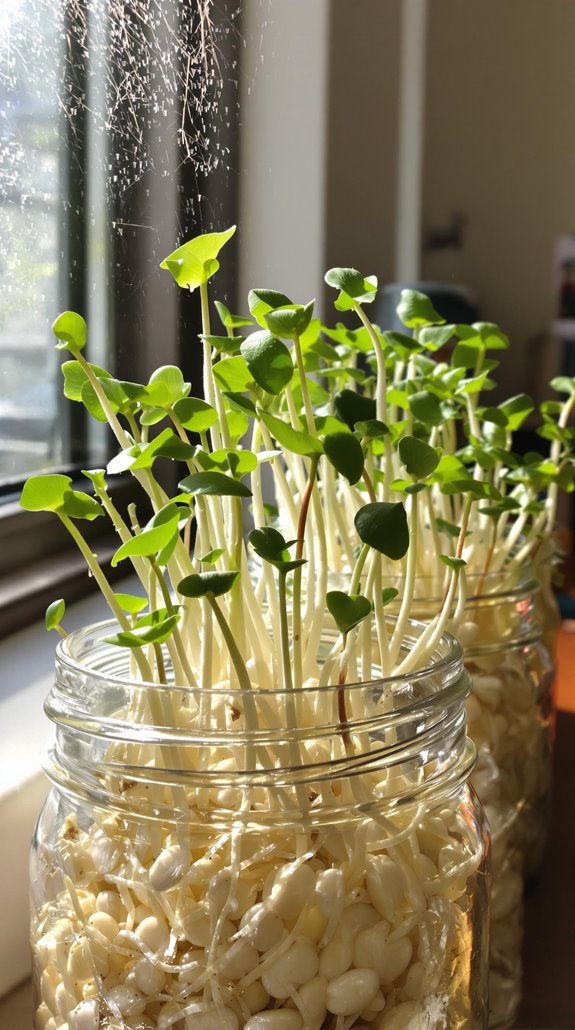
(348, 610)
(232, 374)
(195, 262)
(261, 302)
(372, 429)
(139, 457)
(200, 584)
(97, 477)
(563, 384)
(154, 628)
(165, 445)
(75, 378)
(388, 594)
(78, 505)
(350, 339)
(242, 404)
(516, 410)
(212, 556)
(268, 360)
(452, 563)
(270, 546)
(495, 416)
(383, 526)
(152, 539)
(402, 344)
(289, 321)
(353, 286)
(55, 614)
(419, 459)
(92, 404)
(214, 484)
(426, 408)
(416, 310)
(238, 462)
(71, 330)
(169, 381)
(449, 528)
(131, 603)
(195, 414)
(228, 320)
(55, 493)
(45, 493)
(352, 407)
(299, 442)
(484, 335)
(224, 344)
(435, 337)
(238, 423)
(344, 452)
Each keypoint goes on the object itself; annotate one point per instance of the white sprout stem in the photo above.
(175, 640)
(408, 589)
(297, 576)
(380, 618)
(310, 421)
(531, 540)
(518, 527)
(115, 424)
(295, 463)
(373, 590)
(553, 495)
(335, 506)
(358, 569)
(237, 594)
(244, 681)
(436, 542)
(108, 593)
(433, 631)
(208, 380)
(380, 396)
(260, 638)
(314, 631)
(461, 602)
(279, 477)
(296, 757)
(267, 577)
(336, 544)
(158, 705)
(123, 532)
(144, 477)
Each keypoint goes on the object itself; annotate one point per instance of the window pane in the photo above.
(30, 430)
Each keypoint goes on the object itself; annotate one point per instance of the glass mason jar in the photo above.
(510, 720)
(546, 564)
(188, 873)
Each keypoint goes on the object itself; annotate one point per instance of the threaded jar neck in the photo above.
(404, 737)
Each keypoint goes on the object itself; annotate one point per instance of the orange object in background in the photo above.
(565, 681)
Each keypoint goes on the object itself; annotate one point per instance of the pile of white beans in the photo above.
(507, 723)
(260, 933)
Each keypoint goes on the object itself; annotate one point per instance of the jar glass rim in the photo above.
(447, 657)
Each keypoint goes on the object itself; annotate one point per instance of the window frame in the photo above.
(38, 560)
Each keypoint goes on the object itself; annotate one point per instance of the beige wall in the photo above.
(499, 147)
(362, 135)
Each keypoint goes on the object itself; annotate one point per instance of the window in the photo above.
(103, 152)
(30, 177)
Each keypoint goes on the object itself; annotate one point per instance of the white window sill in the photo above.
(27, 662)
